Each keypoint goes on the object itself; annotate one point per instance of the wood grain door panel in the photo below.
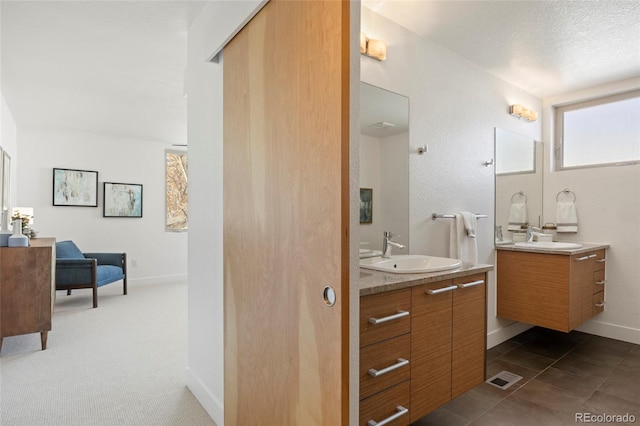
(286, 219)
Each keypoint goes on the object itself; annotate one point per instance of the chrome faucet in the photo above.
(531, 231)
(387, 244)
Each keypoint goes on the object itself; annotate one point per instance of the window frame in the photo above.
(559, 128)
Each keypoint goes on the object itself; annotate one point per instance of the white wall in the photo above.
(160, 255)
(9, 143)
(608, 206)
(454, 107)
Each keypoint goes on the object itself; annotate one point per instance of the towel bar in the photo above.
(435, 216)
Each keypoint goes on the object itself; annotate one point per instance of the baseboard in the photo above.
(164, 279)
(495, 337)
(209, 402)
(612, 331)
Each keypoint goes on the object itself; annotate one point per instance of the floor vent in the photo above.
(503, 380)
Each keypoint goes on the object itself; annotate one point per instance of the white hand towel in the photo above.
(461, 245)
(469, 220)
(566, 217)
(517, 216)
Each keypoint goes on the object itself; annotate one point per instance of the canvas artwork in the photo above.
(176, 182)
(75, 188)
(122, 200)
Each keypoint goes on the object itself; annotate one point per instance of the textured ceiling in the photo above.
(117, 67)
(110, 67)
(545, 47)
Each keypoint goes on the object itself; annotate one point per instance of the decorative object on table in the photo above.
(77, 188)
(17, 239)
(78, 270)
(566, 214)
(24, 214)
(4, 229)
(177, 190)
(122, 200)
(366, 205)
(6, 178)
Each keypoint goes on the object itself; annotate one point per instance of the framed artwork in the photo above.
(5, 177)
(176, 191)
(366, 205)
(77, 188)
(122, 200)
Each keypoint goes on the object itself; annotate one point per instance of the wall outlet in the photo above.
(134, 263)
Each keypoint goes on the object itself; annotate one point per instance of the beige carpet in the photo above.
(123, 363)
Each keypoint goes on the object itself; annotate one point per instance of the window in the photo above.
(600, 132)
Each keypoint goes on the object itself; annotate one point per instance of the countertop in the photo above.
(372, 282)
(586, 247)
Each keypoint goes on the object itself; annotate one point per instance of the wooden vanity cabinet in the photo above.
(555, 291)
(448, 341)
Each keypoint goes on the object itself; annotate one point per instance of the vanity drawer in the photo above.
(598, 303)
(598, 281)
(599, 260)
(391, 355)
(392, 402)
(384, 315)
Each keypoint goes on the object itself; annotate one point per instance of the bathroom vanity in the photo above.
(556, 289)
(422, 340)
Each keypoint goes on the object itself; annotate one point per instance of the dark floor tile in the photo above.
(501, 349)
(585, 367)
(571, 383)
(527, 335)
(549, 347)
(632, 360)
(441, 417)
(549, 396)
(601, 402)
(526, 359)
(624, 383)
(512, 412)
(599, 355)
(612, 346)
(475, 402)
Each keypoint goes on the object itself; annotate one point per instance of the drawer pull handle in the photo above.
(401, 363)
(441, 290)
(400, 314)
(600, 305)
(601, 260)
(591, 256)
(471, 284)
(601, 282)
(400, 411)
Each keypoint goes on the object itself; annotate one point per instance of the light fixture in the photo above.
(376, 49)
(382, 125)
(520, 111)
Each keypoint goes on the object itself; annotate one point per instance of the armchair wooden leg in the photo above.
(124, 286)
(95, 296)
(43, 339)
(68, 292)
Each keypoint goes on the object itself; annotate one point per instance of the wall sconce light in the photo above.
(522, 112)
(376, 49)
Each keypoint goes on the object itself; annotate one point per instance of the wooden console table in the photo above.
(27, 288)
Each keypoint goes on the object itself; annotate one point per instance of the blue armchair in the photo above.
(76, 270)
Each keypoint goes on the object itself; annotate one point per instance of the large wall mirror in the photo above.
(518, 169)
(384, 168)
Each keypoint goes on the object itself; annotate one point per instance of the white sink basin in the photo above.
(548, 245)
(410, 264)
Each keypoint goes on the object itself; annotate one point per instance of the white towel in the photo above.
(461, 245)
(469, 220)
(566, 217)
(517, 216)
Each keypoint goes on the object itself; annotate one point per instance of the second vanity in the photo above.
(422, 340)
(556, 289)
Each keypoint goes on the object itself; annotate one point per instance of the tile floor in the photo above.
(562, 374)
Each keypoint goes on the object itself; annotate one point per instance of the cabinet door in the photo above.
(431, 322)
(469, 333)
